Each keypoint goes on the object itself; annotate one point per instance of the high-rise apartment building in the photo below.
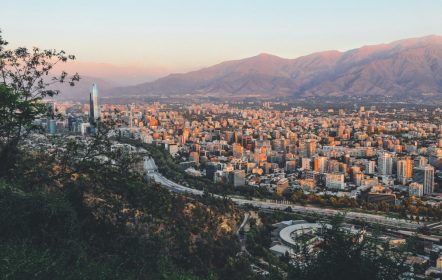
(404, 170)
(370, 167)
(335, 181)
(425, 175)
(310, 147)
(320, 164)
(305, 164)
(385, 164)
(415, 189)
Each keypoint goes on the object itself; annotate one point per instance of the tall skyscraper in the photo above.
(425, 175)
(370, 167)
(310, 147)
(95, 101)
(320, 164)
(385, 164)
(91, 109)
(404, 170)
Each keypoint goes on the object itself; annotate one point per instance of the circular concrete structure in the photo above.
(289, 233)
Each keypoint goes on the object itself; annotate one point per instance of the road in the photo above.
(241, 236)
(152, 171)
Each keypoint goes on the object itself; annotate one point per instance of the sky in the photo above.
(165, 36)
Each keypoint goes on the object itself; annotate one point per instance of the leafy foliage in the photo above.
(346, 255)
(24, 80)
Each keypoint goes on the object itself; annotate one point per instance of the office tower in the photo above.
(421, 161)
(238, 150)
(320, 164)
(310, 147)
(415, 189)
(385, 164)
(52, 128)
(91, 109)
(332, 166)
(229, 136)
(305, 164)
(370, 167)
(237, 178)
(247, 142)
(335, 181)
(425, 175)
(290, 165)
(72, 124)
(404, 170)
(357, 178)
(96, 107)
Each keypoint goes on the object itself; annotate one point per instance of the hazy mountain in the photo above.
(82, 88)
(120, 74)
(411, 66)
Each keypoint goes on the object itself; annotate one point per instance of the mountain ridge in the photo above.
(403, 67)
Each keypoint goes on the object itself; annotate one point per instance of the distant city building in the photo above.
(237, 150)
(290, 165)
(96, 107)
(404, 170)
(439, 263)
(238, 178)
(52, 127)
(370, 167)
(425, 175)
(173, 149)
(281, 186)
(374, 197)
(385, 164)
(305, 164)
(211, 169)
(415, 189)
(320, 164)
(94, 111)
(85, 128)
(310, 148)
(421, 161)
(334, 181)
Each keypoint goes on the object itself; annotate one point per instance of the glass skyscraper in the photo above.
(96, 108)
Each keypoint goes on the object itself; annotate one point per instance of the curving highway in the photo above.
(152, 171)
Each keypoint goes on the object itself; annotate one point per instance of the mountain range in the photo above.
(401, 68)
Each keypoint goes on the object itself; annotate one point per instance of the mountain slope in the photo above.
(410, 66)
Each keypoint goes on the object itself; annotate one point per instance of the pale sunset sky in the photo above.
(165, 36)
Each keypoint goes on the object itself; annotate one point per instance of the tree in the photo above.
(25, 78)
(345, 255)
